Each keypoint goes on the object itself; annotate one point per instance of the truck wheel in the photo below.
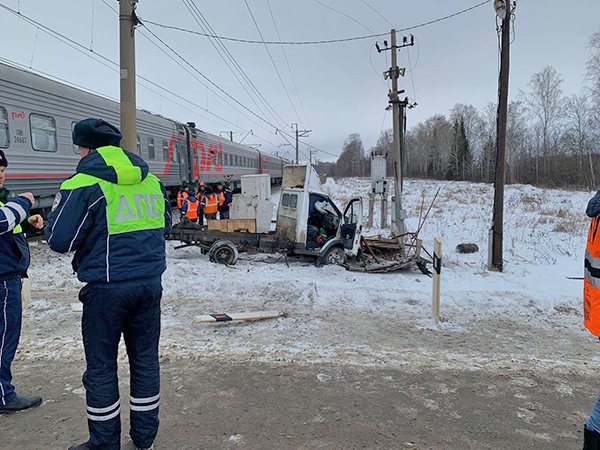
(223, 252)
(334, 257)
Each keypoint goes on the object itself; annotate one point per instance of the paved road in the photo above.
(206, 405)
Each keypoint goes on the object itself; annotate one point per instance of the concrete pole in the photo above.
(400, 229)
(128, 95)
(498, 224)
(297, 147)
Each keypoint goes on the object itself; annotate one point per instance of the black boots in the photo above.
(20, 403)
(591, 439)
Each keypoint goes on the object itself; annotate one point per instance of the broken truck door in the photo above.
(352, 227)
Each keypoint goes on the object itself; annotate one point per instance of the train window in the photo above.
(4, 139)
(139, 145)
(235, 160)
(175, 155)
(151, 153)
(219, 159)
(165, 150)
(43, 133)
(293, 200)
(285, 201)
(226, 162)
(75, 147)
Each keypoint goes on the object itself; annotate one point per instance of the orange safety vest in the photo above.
(211, 203)
(181, 197)
(221, 196)
(591, 283)
(192, 209)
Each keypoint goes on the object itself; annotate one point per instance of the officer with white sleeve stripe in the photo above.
(114, 215)
(14, 262)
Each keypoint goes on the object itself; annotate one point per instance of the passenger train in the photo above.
(37, 116)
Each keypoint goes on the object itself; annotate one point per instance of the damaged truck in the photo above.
(308, 223)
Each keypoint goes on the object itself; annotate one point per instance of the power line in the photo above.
(273, 61)
(328, 41)
(111, 65)
(378, 13)
(201, 20)
(193, 75)
(345, 15)
(288, 66)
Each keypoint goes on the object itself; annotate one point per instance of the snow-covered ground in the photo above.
(528, 316)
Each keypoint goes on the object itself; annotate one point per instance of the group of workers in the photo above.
(206, 201)
(114, 214)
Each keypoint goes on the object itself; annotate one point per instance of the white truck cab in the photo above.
(309, 222)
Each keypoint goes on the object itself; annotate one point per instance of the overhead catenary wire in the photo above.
(227, 55)
(318, 42)
(112, 65)
(190, 72)
(273, 62)
(288, 64)
(345, 15)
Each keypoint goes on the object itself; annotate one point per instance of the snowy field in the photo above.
(527, 318)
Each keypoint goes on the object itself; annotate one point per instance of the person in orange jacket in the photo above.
(591, 309)
(182, 195)
(225, 198)
(210, 204)
(191, 208)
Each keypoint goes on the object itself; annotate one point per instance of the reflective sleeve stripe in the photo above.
(144, 400)
(595, 282)
(104, 418)
(10, 218)
(145, 408)
(104, 410)
(19, 209)
(594, 262)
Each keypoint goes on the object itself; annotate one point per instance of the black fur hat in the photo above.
(3, 160)
(96, 133)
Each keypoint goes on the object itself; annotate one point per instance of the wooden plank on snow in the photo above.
(229, 317)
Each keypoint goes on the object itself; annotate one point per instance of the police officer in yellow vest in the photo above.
(14, 262)
(591, 308)
(114, 215)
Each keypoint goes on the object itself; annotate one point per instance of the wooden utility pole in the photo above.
(502, 118)
(127, 22)
(231, 136)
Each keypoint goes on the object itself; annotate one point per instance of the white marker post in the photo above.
(437, 275)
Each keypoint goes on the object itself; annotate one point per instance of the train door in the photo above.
(183, 147)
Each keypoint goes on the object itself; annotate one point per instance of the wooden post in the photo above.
(437, 272)
(491, 249)
(384, 211)
(371, 208)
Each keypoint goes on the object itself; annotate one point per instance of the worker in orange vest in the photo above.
(591, 308)
(191, 207)
(182, 195)
(224, 201)
(210, 204)
(199, 195)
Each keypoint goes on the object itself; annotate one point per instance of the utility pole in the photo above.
(504, 11)
(299, 134)
(127, 23)
(398, 108)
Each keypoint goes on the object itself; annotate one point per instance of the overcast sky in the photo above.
(340, 85)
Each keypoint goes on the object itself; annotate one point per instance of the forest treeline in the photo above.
(553, 139)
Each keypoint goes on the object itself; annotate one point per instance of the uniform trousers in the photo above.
(131, 309)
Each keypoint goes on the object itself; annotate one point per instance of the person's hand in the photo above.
(37, 221)
(29, 196)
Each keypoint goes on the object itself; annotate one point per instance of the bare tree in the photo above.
(579, 133)
(544, 100)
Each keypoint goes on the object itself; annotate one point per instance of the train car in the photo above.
(37, 116)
